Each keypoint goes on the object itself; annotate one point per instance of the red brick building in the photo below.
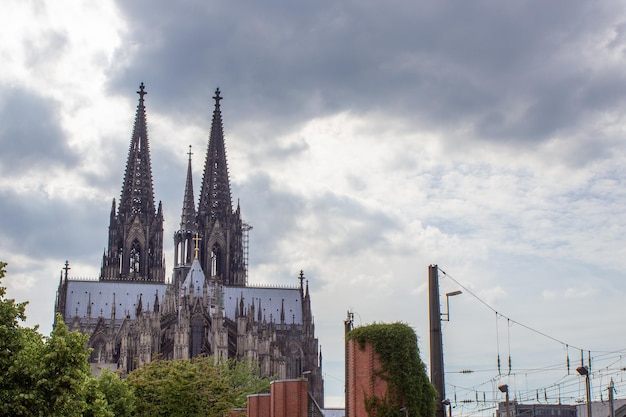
(363, 382)
(287, 398)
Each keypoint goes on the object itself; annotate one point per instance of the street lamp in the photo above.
(447, 313)
(505, 389)
(584, 371)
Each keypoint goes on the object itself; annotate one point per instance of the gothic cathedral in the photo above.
(134, 316)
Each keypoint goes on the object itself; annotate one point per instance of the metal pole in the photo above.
(347, 326)
(588, 385)
(508, 414)
(611, 398)
(436, 344)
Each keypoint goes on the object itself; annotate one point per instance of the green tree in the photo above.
(408, 385)
(19, 346)
(62, 383)
(196, 387)
(114, 391)
(45, 376)
(242, 379)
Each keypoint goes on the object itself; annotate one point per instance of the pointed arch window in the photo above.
(197, 336)
(135, 257)
(216, 260)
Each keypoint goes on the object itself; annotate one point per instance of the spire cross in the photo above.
(141, 92)
(217, 97)
(66, 269)
(301, 277)
(189, 153)
(196, 250)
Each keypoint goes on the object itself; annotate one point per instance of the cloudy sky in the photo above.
(366, 140)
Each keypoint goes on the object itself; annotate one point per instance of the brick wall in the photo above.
(259, 405)
(287, 398)
(362, 380)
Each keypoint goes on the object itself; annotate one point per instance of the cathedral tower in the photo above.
(135, 251)
(219, 227)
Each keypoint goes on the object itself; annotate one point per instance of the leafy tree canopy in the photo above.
(46, 376)
(196, 387)
(51, 376)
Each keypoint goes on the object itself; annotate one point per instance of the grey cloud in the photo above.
(278, 216)
(272, 213)
(354, 227)
(30, 134)
(38, 225)
(440, 64)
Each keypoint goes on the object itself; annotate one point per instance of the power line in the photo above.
(506, 317)
(567, 388)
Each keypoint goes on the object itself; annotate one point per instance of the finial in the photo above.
(141, 92)
(217, 97)
(301, 278)
(196, 250)
(66, 269)
(189, 153)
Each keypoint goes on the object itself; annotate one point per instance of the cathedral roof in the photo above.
(100, 295)
(273, 302)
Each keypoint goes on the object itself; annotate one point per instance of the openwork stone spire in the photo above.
(137, 191)
(221, 251)
(135, 251)
(215, 197)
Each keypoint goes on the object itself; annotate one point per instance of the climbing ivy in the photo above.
(408, 386)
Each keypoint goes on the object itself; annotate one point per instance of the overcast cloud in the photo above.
(366, 140)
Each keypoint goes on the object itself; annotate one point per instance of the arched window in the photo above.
(97, 354)
(197, 336)
(135, 257)
(216, 260)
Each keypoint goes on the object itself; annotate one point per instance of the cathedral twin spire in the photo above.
(137, 189)
(217, 227)
(215, 197)
(135, 249)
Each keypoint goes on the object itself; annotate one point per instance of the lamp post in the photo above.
(447, 313)
(505, 389)
(584, 371)
(436, 343)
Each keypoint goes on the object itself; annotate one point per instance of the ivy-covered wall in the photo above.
(409, 389)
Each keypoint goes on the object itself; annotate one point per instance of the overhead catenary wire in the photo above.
(506, 317)
(567, 386)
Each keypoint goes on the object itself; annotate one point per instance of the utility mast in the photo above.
(348, 324)
(436, 344)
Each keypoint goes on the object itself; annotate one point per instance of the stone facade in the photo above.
(133, 316)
